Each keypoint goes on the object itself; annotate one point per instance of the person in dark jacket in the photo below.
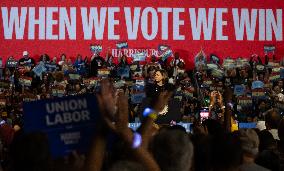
(97, 62)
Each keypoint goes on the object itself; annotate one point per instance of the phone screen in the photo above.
(204, 114)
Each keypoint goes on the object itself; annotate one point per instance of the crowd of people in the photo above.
(214, 96)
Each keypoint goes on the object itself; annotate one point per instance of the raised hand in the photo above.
(117, 121)
(107, 102)
(114, 108)
(212, 98)
(148, 127)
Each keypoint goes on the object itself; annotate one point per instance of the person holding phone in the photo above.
(216, 107)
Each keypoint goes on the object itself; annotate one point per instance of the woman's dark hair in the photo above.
(164, 74)
(79, 55)
(47, 58)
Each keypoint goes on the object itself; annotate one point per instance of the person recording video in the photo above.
(216, 107)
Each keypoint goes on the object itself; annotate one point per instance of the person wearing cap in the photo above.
(249, 142)
(26, 60)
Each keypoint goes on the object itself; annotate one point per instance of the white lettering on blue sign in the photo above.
(70, 138)
(67, 117)
(122, 45)
(65, 106)
(69, 111)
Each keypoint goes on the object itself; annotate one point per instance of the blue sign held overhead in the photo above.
(122, 45)
(69, 122)
(139, 56)
(165, 55)
(239, 90)
(257, 84)
(96, 48)
(162, 48)
(39, 69)
(165, 51)
(269, 48)
(214, 59)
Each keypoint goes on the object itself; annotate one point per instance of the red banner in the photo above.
(225, 28)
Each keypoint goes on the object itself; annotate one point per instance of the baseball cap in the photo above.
(25, 53)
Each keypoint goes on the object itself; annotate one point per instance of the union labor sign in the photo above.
(69, 122)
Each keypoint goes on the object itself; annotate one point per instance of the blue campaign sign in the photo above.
(257, 84)
(138, 87)
(123, 72)
(269, 48)
(214, 59)
(282, 73)
(50, 67)
(166, 54)
(239, 90)
(122, 45)
(69, 122)
(247, 125)
(139, 56)
(137, 98)
(162, 48)
(39, 69)
(96, 48)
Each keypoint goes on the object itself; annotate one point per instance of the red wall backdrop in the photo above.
(188, 48)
